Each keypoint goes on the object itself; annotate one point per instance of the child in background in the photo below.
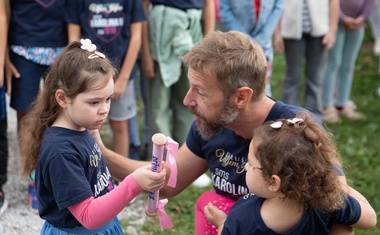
(73, 185)
(256, 18)
(296, 191)
(172, 29)
(306, 30)
(374, 22)
(36, 35)
(116, 27)
(339, 71)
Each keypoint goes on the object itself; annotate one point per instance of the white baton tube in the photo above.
(159, 141)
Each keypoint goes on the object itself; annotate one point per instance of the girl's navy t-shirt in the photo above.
(70, 169)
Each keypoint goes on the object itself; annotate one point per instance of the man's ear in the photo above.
(61, 98)
(243, 96)
(275, 184)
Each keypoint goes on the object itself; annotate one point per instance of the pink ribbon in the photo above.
(172, 150)
(158, 205)
(163, 217)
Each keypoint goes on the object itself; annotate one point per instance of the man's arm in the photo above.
(189, 166)
(119, 166)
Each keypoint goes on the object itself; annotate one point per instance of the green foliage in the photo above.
(357, 143)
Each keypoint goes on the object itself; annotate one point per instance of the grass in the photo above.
(358, 144)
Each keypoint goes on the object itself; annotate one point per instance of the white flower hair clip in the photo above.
(276, 125)
(295, 120)
(87, 45)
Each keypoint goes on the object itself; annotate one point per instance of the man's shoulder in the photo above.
(283, 110)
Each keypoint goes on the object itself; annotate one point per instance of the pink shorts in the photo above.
(202, 226)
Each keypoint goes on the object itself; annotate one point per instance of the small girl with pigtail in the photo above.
(294, 186)
(73, 185)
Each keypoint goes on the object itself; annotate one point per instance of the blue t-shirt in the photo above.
(70, 169)
(226, 153)
(180, 4)
(37, 23)
(106, 23)
(245, 218)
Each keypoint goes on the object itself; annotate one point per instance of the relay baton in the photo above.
(154, 206)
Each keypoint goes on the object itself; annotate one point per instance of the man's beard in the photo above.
(209, 128)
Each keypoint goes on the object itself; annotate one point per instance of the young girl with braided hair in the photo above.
(73, 185)
(294, 186)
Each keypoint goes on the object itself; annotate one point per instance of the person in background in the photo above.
(340, 63)
(4, 85)
(227, 96)
(74, 188)
(36, 35)
(306, 31)
(218, 22)
(374, 21)
(136, 150)
(293, 185)
(172, 29)
(115, 27)
(258, 19)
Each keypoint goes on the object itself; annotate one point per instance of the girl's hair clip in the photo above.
(96, 55)
(87, 45)
(295, 120)
(276, 125)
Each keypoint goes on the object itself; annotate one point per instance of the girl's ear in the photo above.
(61, 98)
(275, 184)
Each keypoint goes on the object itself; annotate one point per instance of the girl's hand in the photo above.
(149, 180)
(215, 216)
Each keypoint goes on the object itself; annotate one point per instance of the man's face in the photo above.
(211, 108)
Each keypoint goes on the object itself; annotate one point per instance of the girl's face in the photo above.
(89, 110)
(254, 176)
